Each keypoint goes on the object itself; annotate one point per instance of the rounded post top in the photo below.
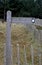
(9, 16)
(8, 11)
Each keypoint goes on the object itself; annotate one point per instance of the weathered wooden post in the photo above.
(32, 55)
(39, 44)
(25, 58)
(8, 49)
(18, 54)
(39, 28)
(33, 28)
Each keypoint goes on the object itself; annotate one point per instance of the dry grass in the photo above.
(38, 27)
(21, 36)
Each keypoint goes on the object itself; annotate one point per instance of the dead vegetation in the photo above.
(19, 35)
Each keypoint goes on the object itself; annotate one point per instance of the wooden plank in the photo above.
(22, 20)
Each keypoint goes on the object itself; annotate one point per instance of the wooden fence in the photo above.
(8, 60)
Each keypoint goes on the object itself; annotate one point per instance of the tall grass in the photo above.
(22, 36)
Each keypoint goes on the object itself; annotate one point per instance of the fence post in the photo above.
(32, 55)
(18, 54)
(8, 49)
(25, 58)
(39, 53)
(39, 46)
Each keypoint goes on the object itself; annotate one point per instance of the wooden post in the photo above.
(25, 58)
(18, 54)
(32, 55)
(39, 46)
(39, 54)
(8, 49)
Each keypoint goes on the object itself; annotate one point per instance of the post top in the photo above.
(8, 11)
(9, 14)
